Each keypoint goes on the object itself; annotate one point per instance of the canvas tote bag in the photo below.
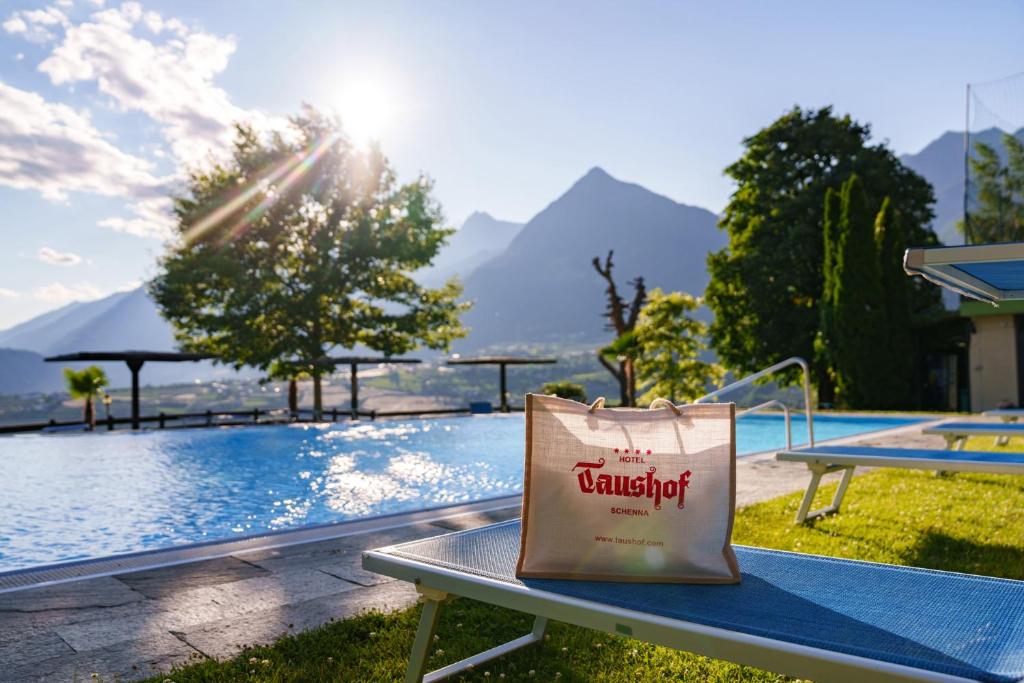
(645, 495)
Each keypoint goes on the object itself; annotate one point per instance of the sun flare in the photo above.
(368, 108)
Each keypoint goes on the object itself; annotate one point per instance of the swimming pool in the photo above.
(74, 497)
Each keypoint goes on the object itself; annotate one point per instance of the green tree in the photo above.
(300, 245)
(896, 372)
(858, 299)
(825, 339)
(766, 285)
(668, 343)
(565, 389)
(86, 384)
(1000, 193)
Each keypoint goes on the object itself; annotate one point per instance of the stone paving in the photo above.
(132, 625)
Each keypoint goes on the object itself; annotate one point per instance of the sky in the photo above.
(104, 105)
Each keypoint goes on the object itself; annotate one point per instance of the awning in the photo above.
(987, 272)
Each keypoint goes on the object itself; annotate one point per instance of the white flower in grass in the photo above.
(437, 638)
(531, 672)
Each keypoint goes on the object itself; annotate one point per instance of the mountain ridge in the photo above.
(550, 261)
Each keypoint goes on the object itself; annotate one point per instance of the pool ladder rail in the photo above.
(771, 370)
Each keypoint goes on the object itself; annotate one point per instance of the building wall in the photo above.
(993, 362)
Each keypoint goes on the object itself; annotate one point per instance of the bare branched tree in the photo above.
(618, 357)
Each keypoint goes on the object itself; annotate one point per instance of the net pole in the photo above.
(967, 157)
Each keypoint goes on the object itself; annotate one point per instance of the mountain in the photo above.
(543, 288)
(125, 320)
(24, 372)
(941, 163)
(44, 333)
(121, 321)
(480, 238)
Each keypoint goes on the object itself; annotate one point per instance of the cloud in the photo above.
(58, 292)
(8, 293)
(143, 62)
(59, 258)
(152, 219)
(54, 150)
(15, 24)
(170, 78)
(36, 25)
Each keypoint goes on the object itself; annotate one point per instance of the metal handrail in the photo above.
(769, 404)
(770, 370)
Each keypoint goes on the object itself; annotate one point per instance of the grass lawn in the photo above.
(965, 523)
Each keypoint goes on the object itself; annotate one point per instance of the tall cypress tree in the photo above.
(826, 332)
(858, 301)
(897, 372)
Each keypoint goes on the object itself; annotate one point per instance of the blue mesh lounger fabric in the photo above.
(955, 624)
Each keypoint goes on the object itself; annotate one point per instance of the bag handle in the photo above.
(665, 403)
(598, 403)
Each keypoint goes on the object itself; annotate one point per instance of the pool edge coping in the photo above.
(158, 558)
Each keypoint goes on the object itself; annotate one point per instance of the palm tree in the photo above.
(86, 384)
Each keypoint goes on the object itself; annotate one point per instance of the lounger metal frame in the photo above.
(438, 584)
(956, 439)
(1007, 415)
(820, 464)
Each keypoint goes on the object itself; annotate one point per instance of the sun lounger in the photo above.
(957, 433)
(1006, 415)
(802, 615)
(822, 460)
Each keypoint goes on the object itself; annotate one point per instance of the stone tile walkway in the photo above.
(130, 626)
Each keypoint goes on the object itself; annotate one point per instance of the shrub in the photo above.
(566, 389)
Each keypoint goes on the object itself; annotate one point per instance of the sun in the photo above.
(368, 108)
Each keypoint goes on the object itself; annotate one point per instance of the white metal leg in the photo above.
(424, 635)
(954, 442)
(432, 601)
(803, 514)
(540, 625)
(1003, 440)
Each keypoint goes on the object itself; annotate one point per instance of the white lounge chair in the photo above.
(821, 460)
(957, 433)
(802, 615)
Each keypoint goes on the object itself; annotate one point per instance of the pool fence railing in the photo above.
(234, 418)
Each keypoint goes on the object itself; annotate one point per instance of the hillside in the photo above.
(543, 288)
(481, 238)
(24, 372)
(941, 162)
(125, 320)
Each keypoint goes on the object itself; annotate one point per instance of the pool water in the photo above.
(80, 496)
